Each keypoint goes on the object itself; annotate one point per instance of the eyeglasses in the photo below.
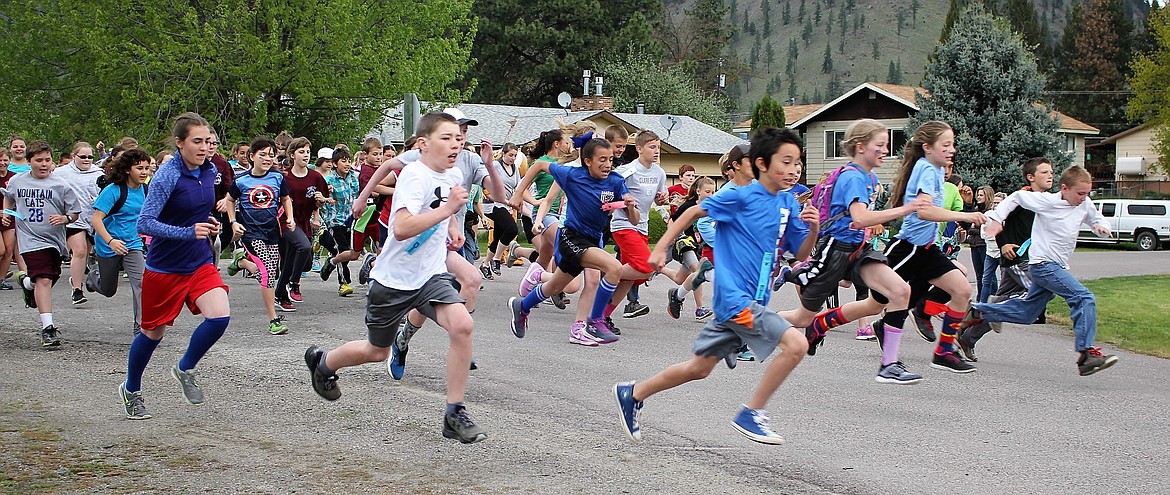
(85, 157)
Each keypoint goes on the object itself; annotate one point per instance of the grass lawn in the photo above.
(1129, 312)
(1090, 247)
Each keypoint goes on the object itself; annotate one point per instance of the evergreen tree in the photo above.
(841, 46)
(769, 56)
(817, 15)
(1150, 103)
(829, 24)
(1093, 56)
(817, 98)
(858, 21)
(827, 64)
(800, 14)
(914, 6)
(844, 18)
(733, 7)
(786, 15)
(792, 88)
(836, 88)
(766, 10)
(806, 34)
(901, 21)
(949, 23)
(1022, 15)
(986, 85)
(877, 54)
(767, 113)
(894, 76)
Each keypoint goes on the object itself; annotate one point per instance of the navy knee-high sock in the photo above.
(604, 294)
(204, 336)
(141, 349)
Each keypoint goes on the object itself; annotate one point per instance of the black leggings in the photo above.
(295, 252)
(505, 226)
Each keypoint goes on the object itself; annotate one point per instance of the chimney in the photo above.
(585, 79)
(641, 108)
(597, 82)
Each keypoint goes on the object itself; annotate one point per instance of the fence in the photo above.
(1141, 189)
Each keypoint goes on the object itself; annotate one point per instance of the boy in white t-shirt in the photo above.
(411, 273)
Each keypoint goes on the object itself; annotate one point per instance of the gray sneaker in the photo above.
(458, 425)
(132, 401)
(511, 258)
(897, 374)
(191, 390)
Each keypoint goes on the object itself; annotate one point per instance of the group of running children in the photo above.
(759, 231)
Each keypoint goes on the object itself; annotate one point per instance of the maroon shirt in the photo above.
(302, 191)
(225, 178)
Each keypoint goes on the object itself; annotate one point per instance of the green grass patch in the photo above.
(1129, 312)
(1092, 247)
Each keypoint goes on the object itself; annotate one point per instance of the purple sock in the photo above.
(890, 344)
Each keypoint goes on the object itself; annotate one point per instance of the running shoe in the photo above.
(325, 386)
(496, 268)
(285, 306)
(1092, 361)
(745, 355)
(815, 339)
(234, 267)
(396, 365)
(967, 346)
(327, 269)
(629, 410)
(635, 309)
(79, 297)
(703, 312)
(191, 390)
(486, 272)
(731, 361)
(781, 278)
(705, 267)
(578, 335)
(673, 303)
(599, 330)
(612, 327)
(519, 317)
(951, 361)
(277, 326)
(458, 425)
(294, 293)
(30, 299)
(510, 260)
(753, 423)
(367, 267)
(896, 373)
(133, 402)
(344, 290)
(92, 280)
(865, 332)
(50, 337)
(879, 332)
(559, 300)
(4, 285)
(925, 326)
(531, 279)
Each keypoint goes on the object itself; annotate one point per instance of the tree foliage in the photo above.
(634, 76)
(1150, 103)
(767, 113)
(1094, 57)
(526, 52)
(986, 85)
(327, 69)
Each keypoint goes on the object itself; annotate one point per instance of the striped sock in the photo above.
(533, 298)
(604, 294)
(827, 320)
(949, 331)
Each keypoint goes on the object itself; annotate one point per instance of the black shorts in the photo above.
(69, 231)
(43, 263)
(918, 263)
(386, 307)
(831, 262)
(571, 247)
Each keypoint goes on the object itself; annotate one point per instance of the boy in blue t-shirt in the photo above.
(588, 189)
(748, 251)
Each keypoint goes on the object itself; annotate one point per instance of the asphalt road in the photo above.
(1024, 423)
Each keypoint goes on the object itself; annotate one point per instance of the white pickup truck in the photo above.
(1145, 222)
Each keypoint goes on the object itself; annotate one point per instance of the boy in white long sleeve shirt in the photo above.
(1054, 235)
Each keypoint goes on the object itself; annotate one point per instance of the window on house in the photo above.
(897, 142)
(1070, 143)
(833, 144)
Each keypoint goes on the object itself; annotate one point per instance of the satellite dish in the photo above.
(565, 99)
(670, 123)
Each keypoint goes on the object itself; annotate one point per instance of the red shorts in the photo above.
(635, 250)
(371, 233)
(43, 263)
(163, 294)
(709, 254)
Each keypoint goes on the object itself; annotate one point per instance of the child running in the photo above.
(754, 229)
(578, 243)
(844, 253)
(411, 273)
(43, 203)
(1054, 235)
(180, 265)
(115, 225)
(307, 190)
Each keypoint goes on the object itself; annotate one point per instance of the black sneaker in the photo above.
(486, 272)
(327, 270)
(635, 309)
(458, 425)
(1092, 361)
(814, 340)
(496, 268)
(50, 337)
(967, 345)
(951, 362)
(367, 267)
(559, 300)
(79, 297)
(673, 304)
(613, 328)
(925, 326)
(879, 331)
(30, 299)
(325, 386)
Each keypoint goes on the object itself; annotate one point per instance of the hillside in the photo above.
(863, 51)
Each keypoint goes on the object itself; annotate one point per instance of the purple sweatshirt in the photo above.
(178, 198)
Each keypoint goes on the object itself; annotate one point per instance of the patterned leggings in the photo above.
(267, 259)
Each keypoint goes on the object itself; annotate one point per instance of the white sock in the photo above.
(46, 319)
(28, 283)
(683, 292)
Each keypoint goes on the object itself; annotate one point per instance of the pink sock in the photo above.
(890, 344)
(609, 309)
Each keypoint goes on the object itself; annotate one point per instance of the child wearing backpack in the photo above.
(115, 227)
(846, 201)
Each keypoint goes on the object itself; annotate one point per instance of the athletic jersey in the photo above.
(303, 190)
(854, 185)
(510, 181)
(644, 183)
(34, 201)
(259, 201)
(925, 178)
(544, 182)
(178, 199)
(953, 202)
(586, 194)
(752, 239)
(123, 225)
(407, 264)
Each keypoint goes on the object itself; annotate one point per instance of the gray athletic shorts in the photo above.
(386, 307)
(719, 339)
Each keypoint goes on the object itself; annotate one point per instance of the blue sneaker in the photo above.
(781, 278)
(753, 424)
(600, 331)
(519, 317)
(396, 365)
(629, 410)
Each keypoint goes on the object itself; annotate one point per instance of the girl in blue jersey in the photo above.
(115, 227)
(914, 255)
(180, 266)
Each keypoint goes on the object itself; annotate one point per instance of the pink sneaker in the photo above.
(531, 279)
(578, 335)
(865, 332)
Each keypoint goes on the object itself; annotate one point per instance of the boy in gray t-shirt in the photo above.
(41, 204)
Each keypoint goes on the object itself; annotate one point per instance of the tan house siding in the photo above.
(816, 164)
(1139, 143)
